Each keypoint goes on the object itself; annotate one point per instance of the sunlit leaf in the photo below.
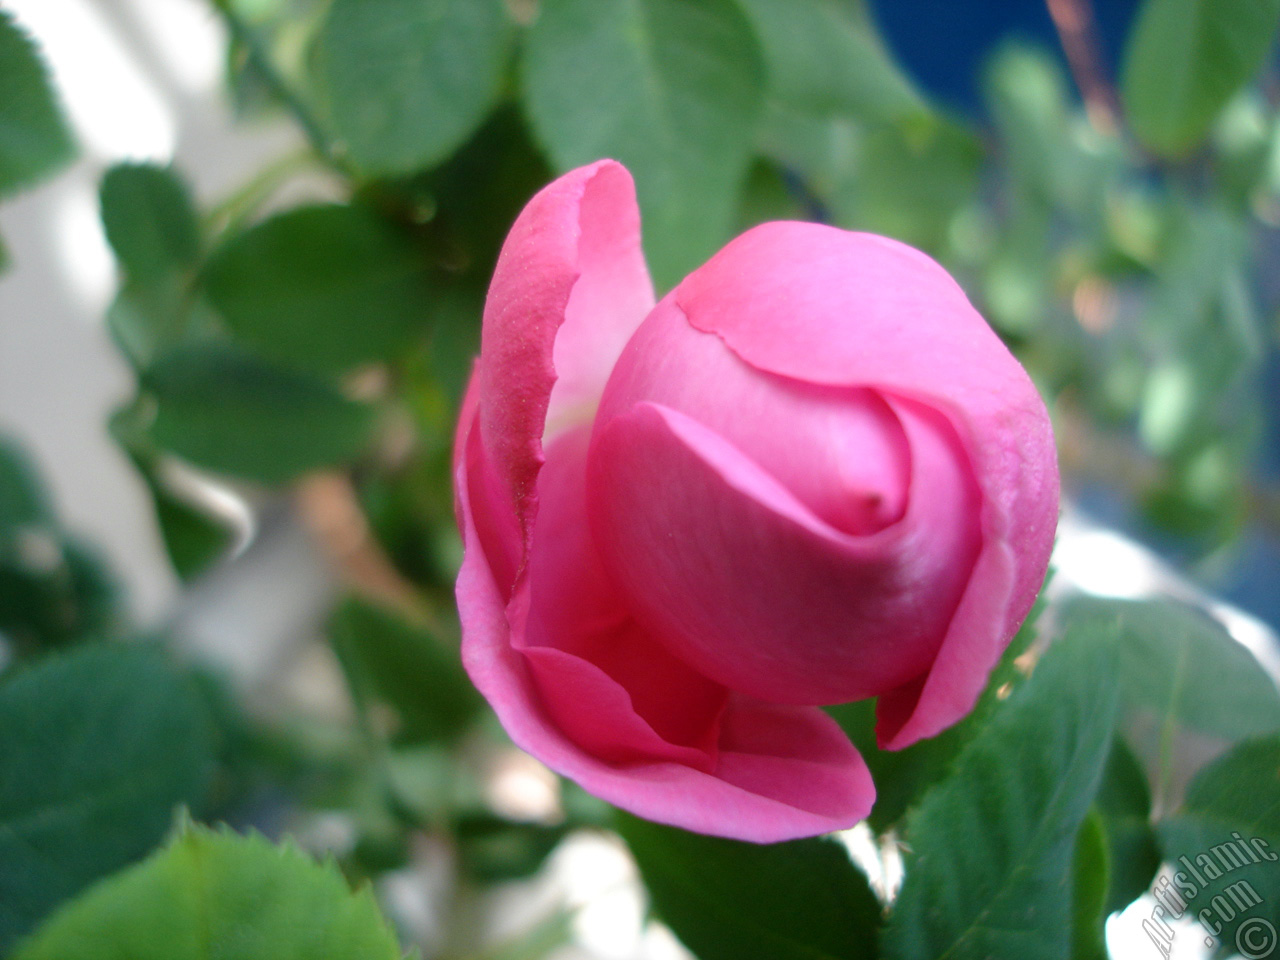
(1185, 59)
(219, 895)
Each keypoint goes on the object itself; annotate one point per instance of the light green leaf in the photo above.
(1184, 60)
(822, 58)
(1224, 845)
(403, 667)
(910, 182)
(219, 895)
(149, 220)
(1185, 668)
(97, 749)
(231, 413)
(727, 900)
(991, 846)
(406, 82)
(322, 287)
(34, 139)
(671, 89)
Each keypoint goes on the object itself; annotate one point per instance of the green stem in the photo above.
(243, 33)
(227, 214)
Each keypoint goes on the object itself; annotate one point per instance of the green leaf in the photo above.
(149, 318)
(219, 895)
(192, 538)
(1090, 874)
(231, 413)
(493, 850)
(1224, 844)
(1185, 668)
(53, 589)
(822, 58)
(1124, 808)
(321, 287)
(22, 497)
(34, 139)
(991, 846)
(909, 182)
(403, 667)
(406, 82)
(671, 89)
(726, 900)
(1184, 60)
(97, 748)
(149, 220)
(902, 777)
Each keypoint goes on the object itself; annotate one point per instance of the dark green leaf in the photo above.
(22, 496)
(727, 900)
(53, 589)
(1124, 806)
(479, 192)
(1185, 59)
(1185, 668)
(34, 139)
(147, 319)
(150, 221)
(322, 287)
(493, 850)
(1090, 871)
(192, 538)
(407, 81)
(902, 776)
(97, 748)
(823, 58)
(1225, 846)
(403, 667)
(671, 89)
(231, 413)
(219, 895)
(991, 846)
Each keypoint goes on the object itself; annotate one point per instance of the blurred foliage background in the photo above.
(1103, 179)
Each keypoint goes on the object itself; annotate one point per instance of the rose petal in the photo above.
(842, 452)
(826, 306)
(613, 687)
(821, 778)
(760, 594)
(569, 288)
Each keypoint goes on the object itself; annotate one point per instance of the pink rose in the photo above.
(811, 474)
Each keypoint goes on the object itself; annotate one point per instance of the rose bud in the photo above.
(811, 474)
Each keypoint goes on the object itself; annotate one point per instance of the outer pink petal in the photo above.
(827, 306)
(573, 261)
(819, 784)
(758, 592)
